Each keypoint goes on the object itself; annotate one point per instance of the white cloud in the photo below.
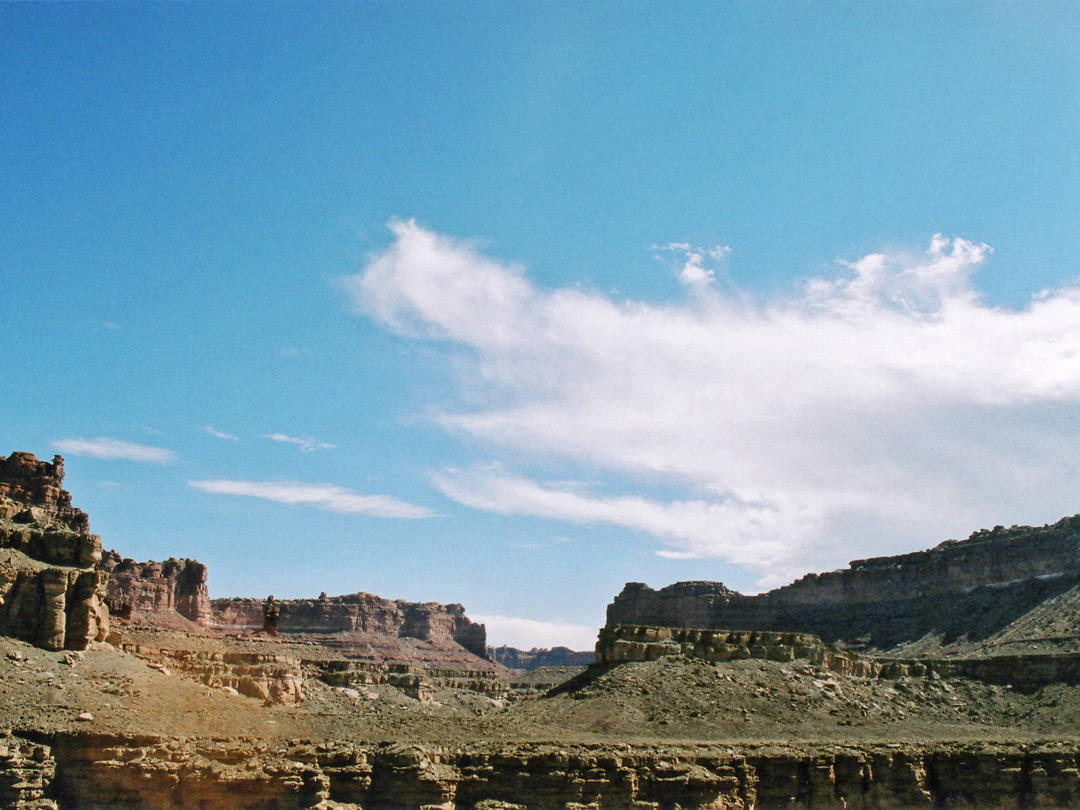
(218, 434)
(306, 445)
(328, 497)
(746, 533)
(694, 274)
(525, 634)
(114, 449)
(880, 409)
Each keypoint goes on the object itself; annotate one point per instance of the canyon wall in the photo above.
(154, 587)
(358, 613)
(513, 658)
(50, 593)
(34, 490)
(97, 771)
(968, 588)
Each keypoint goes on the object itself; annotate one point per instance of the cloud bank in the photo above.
(881, 409)
(525, 634)
(110, 449)
(327, 497)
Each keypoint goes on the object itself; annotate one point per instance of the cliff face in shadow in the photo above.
(970, 589)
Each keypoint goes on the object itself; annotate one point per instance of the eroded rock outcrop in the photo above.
(94, 772)
(50, 593)
(626, 643)
(174, 586)
(270, 678)
(33, 491)
(358, 613)
(416, 681)
(968, 588)
(27, 772)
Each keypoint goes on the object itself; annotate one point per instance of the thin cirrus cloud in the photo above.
(306, 445)
(686, 528)
(327, 497)
(110, 449)
(881, 408)
(220, 434)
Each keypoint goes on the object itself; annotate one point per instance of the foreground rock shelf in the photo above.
(99, 772)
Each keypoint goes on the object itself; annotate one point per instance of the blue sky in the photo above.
(507, 304)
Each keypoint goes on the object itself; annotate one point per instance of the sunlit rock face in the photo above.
(32, 491)
(360, 613)
(50, 592)
(157, 587)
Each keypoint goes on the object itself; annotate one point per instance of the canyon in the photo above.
(942, 678)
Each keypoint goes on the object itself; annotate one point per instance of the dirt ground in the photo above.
(668, 700)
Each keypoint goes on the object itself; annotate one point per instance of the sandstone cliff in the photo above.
(177, 586)
(359, 613)
(33, 491)
(50, 594)
(92, 771)
(513, 658)
(960, 589)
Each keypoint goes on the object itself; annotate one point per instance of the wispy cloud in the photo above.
(525, 634)
(694, 273)
(751, 534)
(328, 497)
(218, 434)
(106, 448)
(307, 445)
(877, 408)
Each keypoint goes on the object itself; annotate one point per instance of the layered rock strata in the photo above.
(358, 613)
(95, 771)
(27, 773)
(962, 588)
(34, 491)
(50, 593)
(626, 643)
(513, 658)
(271, 678)
(157, 587)
(417, 682)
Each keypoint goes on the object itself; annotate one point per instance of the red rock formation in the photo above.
(37, 486)
(157, 587)
(359, 613)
